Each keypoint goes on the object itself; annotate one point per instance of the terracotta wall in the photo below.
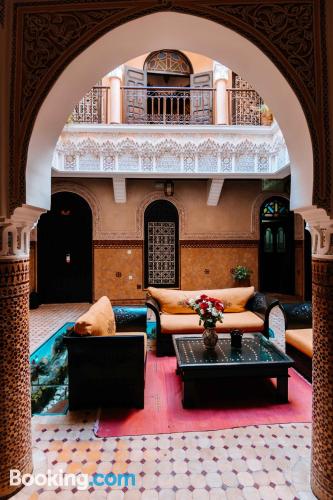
(210, 267)
(118, 272)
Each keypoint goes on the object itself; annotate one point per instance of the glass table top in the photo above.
(255, 349)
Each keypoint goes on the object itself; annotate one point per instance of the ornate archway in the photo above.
(46, 40)
(85, 22)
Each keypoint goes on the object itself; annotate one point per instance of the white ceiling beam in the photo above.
(214, 192)
(119, 189)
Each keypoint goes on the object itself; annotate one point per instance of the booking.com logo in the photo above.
(79, 481)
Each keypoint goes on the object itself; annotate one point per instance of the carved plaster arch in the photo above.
(88, 196)
(154, 196)
(150, 32)
(255, 219)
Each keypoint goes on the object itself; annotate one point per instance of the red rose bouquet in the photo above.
(210, 310)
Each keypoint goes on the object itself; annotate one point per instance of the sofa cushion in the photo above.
(189, 323)
(173, 301)
(125, 334)
(99, 320)
(301, 340)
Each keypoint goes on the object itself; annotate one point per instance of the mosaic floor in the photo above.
(48, 318)
(255, 462)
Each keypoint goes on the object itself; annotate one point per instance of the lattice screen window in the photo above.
(147, 163)
(245, 163)
(207, 162)
(167, 162)
(226, 164)
(263, 164)
(246, 103)
(89, 162)
(161, 253)
(128, 161)
(69, 162)
(109, 162)
(189, 163)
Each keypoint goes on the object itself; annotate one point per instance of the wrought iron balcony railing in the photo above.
(245, 107)
(93, 108)
(168, 105)
(172, 106)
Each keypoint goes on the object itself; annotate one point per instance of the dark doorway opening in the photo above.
(161, 253)
(277, 253)
(64, 243)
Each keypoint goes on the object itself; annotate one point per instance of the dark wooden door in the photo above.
(277, 254)
(202, 102)
(65, 251)
(135, 101)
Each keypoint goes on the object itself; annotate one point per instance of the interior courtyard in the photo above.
(156, 156)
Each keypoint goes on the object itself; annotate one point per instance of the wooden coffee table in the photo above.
(258, 357)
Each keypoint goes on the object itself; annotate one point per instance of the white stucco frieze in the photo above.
(247, 152)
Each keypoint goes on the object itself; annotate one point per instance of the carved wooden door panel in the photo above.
(135, 100)
(202, 97)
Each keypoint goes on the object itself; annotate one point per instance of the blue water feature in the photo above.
(48, 363)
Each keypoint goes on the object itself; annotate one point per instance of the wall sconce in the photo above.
(68, 258)
(169, 188)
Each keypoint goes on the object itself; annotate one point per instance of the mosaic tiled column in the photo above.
(15, 399)
(321, 228)
(322, 439)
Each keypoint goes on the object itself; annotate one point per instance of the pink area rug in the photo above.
(239, 403)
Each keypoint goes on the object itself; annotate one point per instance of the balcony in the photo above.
(171, 106)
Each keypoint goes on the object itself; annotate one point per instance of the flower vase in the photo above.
(210, 338)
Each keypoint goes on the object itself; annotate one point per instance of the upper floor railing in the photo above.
(244, 107)
(93, 108)
(173, 106)
(169, 105)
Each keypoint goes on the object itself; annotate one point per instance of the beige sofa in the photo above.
(244, 309)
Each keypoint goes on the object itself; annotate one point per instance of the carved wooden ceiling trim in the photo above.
(48, 34)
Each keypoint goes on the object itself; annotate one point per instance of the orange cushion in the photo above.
(99, 320)
(173, 301)
(301, 340)
(189, 323)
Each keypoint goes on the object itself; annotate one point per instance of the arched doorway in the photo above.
(64, 242)
(276, 261)
(161, 242)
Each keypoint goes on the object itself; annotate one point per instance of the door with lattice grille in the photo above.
(161, 259)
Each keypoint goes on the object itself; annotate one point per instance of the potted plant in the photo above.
(241, 275)
(210, 311)
(266, 115)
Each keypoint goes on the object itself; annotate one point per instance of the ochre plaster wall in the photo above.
(212, 239)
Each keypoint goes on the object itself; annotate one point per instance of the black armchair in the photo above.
(108, 371)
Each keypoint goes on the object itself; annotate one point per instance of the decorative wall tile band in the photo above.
(219, 243)
(118, 244)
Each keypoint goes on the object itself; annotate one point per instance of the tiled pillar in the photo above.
(321, 228)
(15, 415)
(322, 433)
(15, 398)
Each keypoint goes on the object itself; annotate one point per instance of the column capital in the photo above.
(320, 226)
(15, 232)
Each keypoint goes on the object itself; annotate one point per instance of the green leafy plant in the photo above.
(240, 273)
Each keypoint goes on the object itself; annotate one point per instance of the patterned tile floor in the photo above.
(48, 318)
(256, 462)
